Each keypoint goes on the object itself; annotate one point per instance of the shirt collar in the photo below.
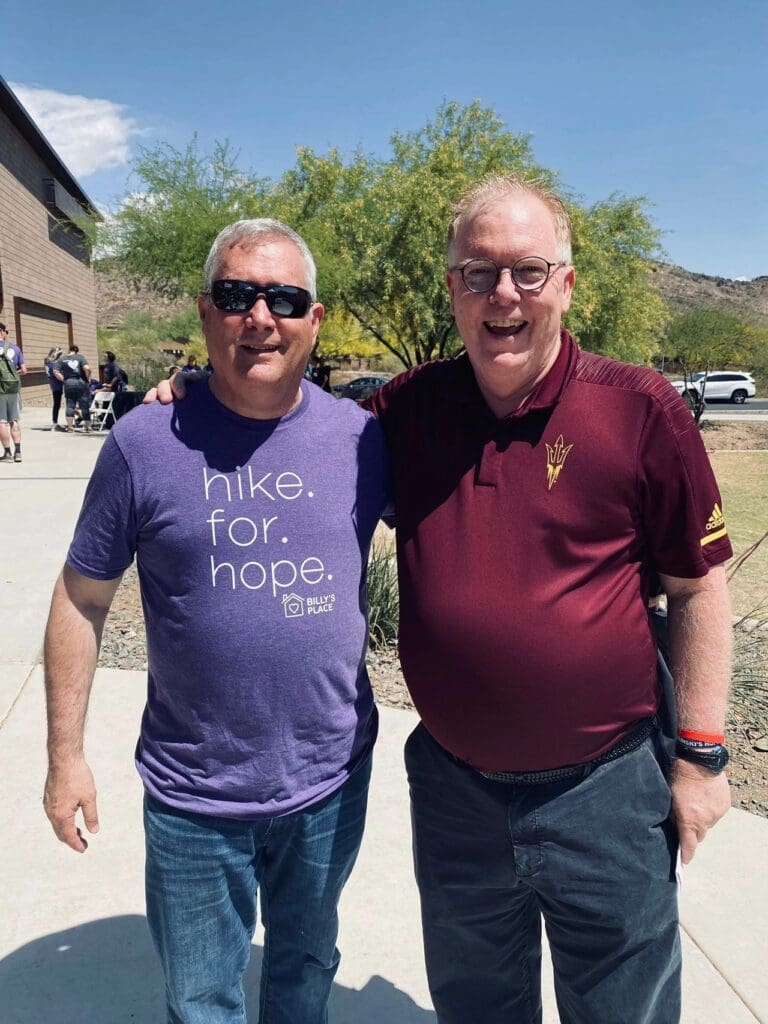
(547, 393)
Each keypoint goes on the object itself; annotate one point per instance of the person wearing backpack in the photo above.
(12, 366)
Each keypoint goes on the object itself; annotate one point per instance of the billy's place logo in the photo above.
(557, 453)
(296, 607)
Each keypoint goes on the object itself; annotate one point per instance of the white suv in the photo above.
(730, 385)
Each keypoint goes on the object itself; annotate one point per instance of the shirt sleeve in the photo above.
(680, 502)
(104, 543)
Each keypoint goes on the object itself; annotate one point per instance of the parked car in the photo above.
(729, 385)
(359, 388)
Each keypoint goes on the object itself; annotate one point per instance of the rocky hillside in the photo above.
(680, 289)
(115, 297)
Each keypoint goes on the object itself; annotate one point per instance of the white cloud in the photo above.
(89, 135)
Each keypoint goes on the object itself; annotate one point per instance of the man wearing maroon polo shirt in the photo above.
(541, 492)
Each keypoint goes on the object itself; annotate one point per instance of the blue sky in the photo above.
(665, 100)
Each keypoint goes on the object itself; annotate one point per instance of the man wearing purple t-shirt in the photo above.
(256, 738)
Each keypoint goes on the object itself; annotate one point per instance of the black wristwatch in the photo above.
(713, 757)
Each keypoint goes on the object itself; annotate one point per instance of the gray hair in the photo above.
(494, 187)
(255, 232)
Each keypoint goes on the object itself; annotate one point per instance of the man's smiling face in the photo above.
(512, 336)
(258, 357)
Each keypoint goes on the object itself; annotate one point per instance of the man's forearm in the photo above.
(701, 645)
(701, 642)
(72, 640)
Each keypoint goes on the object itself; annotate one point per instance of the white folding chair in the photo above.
(102, 415)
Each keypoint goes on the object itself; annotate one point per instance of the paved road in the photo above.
(751, 405)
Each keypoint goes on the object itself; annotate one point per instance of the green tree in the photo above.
(342, 337)
(162, 233)
(704, 339)
(381, 229)
(378, 227)
(140, 339)
(756, 355)
(381, 225)
(615, 310)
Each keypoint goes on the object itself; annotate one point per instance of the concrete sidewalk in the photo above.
(74, 948)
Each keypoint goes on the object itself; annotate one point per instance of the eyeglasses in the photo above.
(528, 273)
(284, 300)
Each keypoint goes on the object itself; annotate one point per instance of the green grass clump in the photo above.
(383, 601)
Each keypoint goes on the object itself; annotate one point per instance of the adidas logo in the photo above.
(717, 520)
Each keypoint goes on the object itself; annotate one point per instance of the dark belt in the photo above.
(637, 735)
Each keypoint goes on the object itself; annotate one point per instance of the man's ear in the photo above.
(449, 284)
(318, 312)
(569, 280)
(202, 307)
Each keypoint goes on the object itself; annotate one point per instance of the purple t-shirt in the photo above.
(12, 353)
(252, 539)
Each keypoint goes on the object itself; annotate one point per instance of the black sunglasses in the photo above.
(285, 300)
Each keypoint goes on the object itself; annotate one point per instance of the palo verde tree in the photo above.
(615, 311)
(378, 228)
(383, 224)
(162, 233)
(703, 339)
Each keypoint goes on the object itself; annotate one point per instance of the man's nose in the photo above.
(259, 313)
(505, 289)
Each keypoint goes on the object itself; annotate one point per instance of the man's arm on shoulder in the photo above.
(78, 609)
(701, 643)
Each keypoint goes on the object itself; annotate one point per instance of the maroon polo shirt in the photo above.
(528, 548)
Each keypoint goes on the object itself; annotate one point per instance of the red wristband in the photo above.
(702, 737)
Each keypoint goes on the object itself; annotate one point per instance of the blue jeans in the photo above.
(202, 874)
(594, 855)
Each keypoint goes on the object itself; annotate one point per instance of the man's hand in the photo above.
(699, 801)
(67, 790)
(176, 387)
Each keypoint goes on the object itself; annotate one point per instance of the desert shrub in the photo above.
(383, 601)
(748, 705)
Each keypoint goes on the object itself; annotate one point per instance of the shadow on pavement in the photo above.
(106, 972)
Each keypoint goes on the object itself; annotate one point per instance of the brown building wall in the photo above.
(46, 276)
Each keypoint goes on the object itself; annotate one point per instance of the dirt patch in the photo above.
(735, 435)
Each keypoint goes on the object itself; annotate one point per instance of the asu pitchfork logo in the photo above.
(557, 453)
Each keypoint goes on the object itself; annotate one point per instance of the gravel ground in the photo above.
(123, 646)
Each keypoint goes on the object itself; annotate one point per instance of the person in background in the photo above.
(10, 397)
(75, 373)
(56, 386)
(321, 373)
(191, 365)
(113, 374)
